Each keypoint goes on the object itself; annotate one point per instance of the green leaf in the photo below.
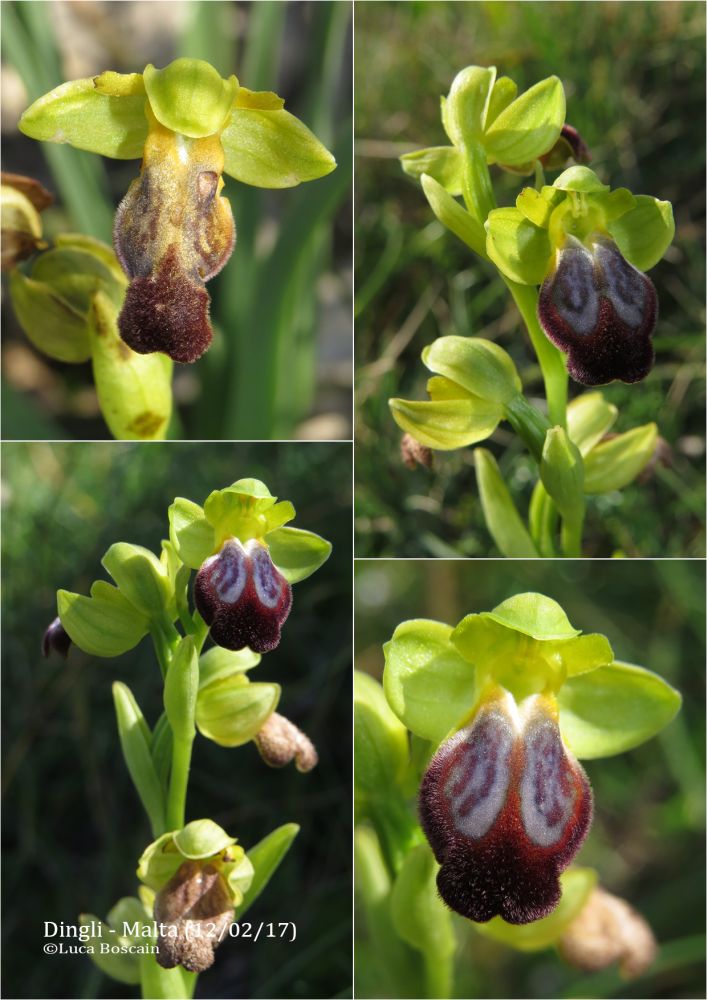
(502, 519)
(562, 473)
(190, 533)
(297, 553)
(529, 126)
(614, 709)
(190, 97)
(104, 624)
(577, 885)
(202, 838)
(134, 390)
(518, 247)
(454, 217)
(380, 739)
(135, 743)
(481, 367)
(613, 464)
(77, 113)
(53, 325)
(140, 576)
(645, 232)
(273, 149)
(466, 106)
(232, 711)
(180, 690)
(589, 418)
(266, 856)
(448, 423)
(419, 915)
(429, 686)
(119, 965)
(581, 179)
(444, 163)
(219, 663)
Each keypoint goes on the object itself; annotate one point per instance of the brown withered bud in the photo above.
(569, 146)
(608, 930)
(413, 453)
(56, 639)
(172, 233)
(280, 741)
(22, 200)
(193, 912)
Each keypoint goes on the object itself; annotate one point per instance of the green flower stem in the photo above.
(439, 975)
(571, 537)
(179, 778)
(551, 361)
(162, 648)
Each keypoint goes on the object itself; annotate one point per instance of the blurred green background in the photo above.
(634, 78)
(280, 364)
(73, 826)
(647, 840)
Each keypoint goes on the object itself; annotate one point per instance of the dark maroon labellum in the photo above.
(56, 639)
(505, 808)
(243, 597)
(601, 311)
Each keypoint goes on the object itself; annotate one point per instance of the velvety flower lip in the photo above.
(242, 596)
(505, 808)
(193, 911)
(601, 311)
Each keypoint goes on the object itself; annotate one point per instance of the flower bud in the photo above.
(193, 912)
(279, 741)
(242, 596)
(56, 639)
(505, 808)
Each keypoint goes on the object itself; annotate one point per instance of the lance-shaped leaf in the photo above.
(615, 463)
(452, 215)
(272, 149)
(266, 856)
(381, 741)
(180, 690)
(297, 553)
(443, 163)
(589, 418)
(428, 684)
(161, 745)
(644, 233)
(135, 742)
(614, 708)
(419, 915)
(518, 247)
(104, 624)
(529, 126)
(502, 519)
(140, 576)
(118, 964)
(562, 473)
(481, 367)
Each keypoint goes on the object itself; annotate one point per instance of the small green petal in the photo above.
(190, 533)
(614, 709)
(613, 464)
(202, 838)
(519, 248)
(273, 149)
(444, 163)
(534, 207)
(529, 126)
(429, 686)
(119, 84)
(589, 418)
(190, 97)
(614, 204)
(77, 113)
(644, 233)
(439, 388)
(581, 179)
(258, 100)
(481, 367)
(452, 215)
(448, 423)
(297, 553)
(502, 519)
(504, 91)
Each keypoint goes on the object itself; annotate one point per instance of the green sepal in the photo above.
(104, 624)
(581, 180)
(644, 233)
(481, 367)
(75, 273)
(613, 709)
(238, 875)
(140, 577)
(297, 553)
(562, 473)
(266, 857)
(232, 711)
(180, 690)
(272, 149)
(380, 740)
(517, 247)
(419, 915)
(535, 207)
(96, 248)
(135, 743)
(202, 838)
(53, 325)
(427, 682)
(219, 663)
(503, 92)
(614, 203)
(444, 163)
(577, 885)
(448, 423)
(119, 965)
(453, 216)
(464, 112)
(190, 97)
(502, 519)
(534, 615)
(615, 463)
(589, 418)
(190, 533)
(80, 115)
(529, 126)
(134, 390)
